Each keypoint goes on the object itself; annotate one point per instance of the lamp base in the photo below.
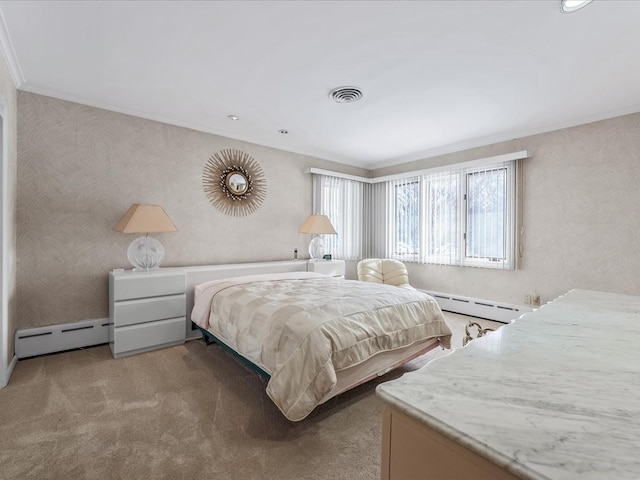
(145, 253)
(316, 248)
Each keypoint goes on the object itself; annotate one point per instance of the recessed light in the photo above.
(283, 131)
(569, 6)
(233, 117)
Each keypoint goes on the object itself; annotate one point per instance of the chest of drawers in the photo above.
(146, 310)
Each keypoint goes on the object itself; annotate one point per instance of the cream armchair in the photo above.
(388, 271)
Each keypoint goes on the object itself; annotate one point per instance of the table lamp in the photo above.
(145, 253)
(317, 225)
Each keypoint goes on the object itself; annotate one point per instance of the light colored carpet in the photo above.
(187, 412)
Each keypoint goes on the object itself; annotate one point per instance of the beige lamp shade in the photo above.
(145, 219)
(318, 224)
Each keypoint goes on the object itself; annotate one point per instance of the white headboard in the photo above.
(197, 275)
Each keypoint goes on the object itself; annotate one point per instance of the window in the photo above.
(486, 216)
(406, 232)
(458, 217)
(464, 214)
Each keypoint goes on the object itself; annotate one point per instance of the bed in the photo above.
(316, 336)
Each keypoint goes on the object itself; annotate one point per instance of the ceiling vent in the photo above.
(345, 94)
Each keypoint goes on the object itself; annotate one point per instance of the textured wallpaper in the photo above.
(80, 168)
(581, 215)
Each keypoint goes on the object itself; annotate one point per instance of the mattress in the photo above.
(305, 328)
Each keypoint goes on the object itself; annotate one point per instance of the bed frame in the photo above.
(209, 338)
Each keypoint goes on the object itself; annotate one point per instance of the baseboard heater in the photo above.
(57, 338)
(499, 312)
(31, 342)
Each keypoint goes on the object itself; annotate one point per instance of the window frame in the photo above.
(507, 263)
(459, 257)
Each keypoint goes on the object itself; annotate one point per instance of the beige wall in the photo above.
(8, 323)
(80, 168)
(581, 215)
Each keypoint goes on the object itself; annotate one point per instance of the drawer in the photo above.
(146, 335)
(143, 310)
(334, 268)
(143, 285)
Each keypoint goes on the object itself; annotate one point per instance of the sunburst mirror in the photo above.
(234, 182)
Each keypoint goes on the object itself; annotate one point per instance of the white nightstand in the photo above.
(146, 310)
(335, 268)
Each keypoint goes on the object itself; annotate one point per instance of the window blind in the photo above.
(342, 201)
(457, 217)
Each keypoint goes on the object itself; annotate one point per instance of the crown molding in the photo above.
(9, 54)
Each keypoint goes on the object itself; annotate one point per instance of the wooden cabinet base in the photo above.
(413, 451)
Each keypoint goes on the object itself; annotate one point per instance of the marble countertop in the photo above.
(554, 395)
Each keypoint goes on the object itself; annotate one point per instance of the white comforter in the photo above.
(303, 327)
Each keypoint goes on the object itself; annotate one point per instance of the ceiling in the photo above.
(437, 76)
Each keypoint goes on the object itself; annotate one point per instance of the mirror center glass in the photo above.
(236, 183)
